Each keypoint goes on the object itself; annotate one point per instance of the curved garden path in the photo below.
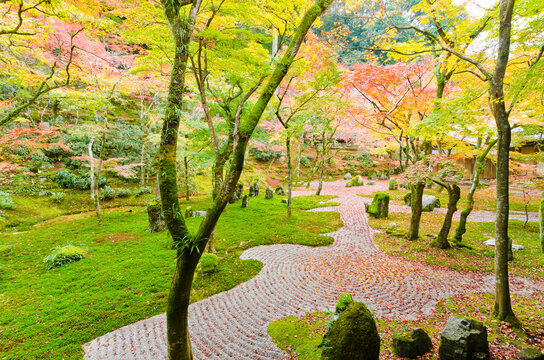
(298, 279)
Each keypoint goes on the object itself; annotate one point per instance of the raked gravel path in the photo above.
(299, 279)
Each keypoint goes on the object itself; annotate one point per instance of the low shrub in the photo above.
(142, 190)
(107, 193)
(57, 197)
(68, 180)
(305, 161)
(63, 255)
(6, 202)
(29, 190)
(264, 155)
(208, 263)
(123, 193)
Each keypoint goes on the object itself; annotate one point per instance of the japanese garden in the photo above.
(272, 179)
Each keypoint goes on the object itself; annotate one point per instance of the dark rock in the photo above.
(417, 343)
(379, 208)
(269, 193)
(155, 217)
(279, 190)
(352, 336)
(237, 194)
(530, 354)
(285, 201)
(245, 201)
(463, 339)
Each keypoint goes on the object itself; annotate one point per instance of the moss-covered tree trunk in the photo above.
(541, 222)
(454, 194)
(417, 208)
(503, 305)
(478, 169)
(289, 173)
(189, 247)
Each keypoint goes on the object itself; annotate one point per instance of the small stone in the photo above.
(348, 176)
(279, 190)
(254, 188)
(417, 343)
(245, 201)
(269, 193)
(199, 213)
(429, 203)
(530, 354)
(371, 183)
(384, 176)
(285, 201)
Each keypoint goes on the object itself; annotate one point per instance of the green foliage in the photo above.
(6, 202)
(264, 155)
(208, 263)
(305, 161)
(343, 301)
(107, 193)
(142, 190)
(63, 255)
(68, 180)
(4, 249)
(123, 192)
(57, 197)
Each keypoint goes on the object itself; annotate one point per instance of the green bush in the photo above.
(107, 193)
(123, 193)
(264, 155)
(68, 180)
(305, 161)
(6, 202)
(142, 190)
(208, 263)
(63, 255)
(57, 197)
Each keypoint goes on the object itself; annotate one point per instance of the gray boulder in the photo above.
(530, 354)
(417, 343)
(463, 339)
(348, 176)
(269, 193)
(383, 176)
(429, 203)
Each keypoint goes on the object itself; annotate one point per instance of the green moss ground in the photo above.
(528, 262)
(126, 273)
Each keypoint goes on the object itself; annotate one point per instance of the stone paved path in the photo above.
(298, 279)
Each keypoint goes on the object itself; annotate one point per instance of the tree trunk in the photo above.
(417, 206)
(91, 164)
(454, 194)
(503, 305)
(478, 168)
(186, 168)
(289, 175)
(190, 247)
(97, 177)
(142, 159)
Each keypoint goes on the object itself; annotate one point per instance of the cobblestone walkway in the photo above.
(298, 279)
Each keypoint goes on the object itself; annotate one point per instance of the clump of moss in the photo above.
(343, 301)
(63, 255)
(4, 249)
(208, 263)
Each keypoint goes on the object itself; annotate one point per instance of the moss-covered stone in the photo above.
(245, 201)
(269, 193)
(208, 263)
(415, 344)
(393, 185)
(63, 255)
(344, 300)
(352, 336)
(155, 217)
(530, 354)
(379, 208)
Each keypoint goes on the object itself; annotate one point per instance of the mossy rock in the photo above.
(379, 208)
(63, 255)
(541, 222)
(344, 300)
(4, 249)
(352, 336)
(208, 263)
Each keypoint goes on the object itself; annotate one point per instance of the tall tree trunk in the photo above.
(321, 170)
(417, 207)
(142, 158)
(92, 172)
(186, 173)
(478, 169)
(503, 305)
(96, 179)
(289, 174)
(191, 246)
(454, 194)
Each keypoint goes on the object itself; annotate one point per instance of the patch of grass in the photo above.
(479, 257)
(300, 336)
(127, 272)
